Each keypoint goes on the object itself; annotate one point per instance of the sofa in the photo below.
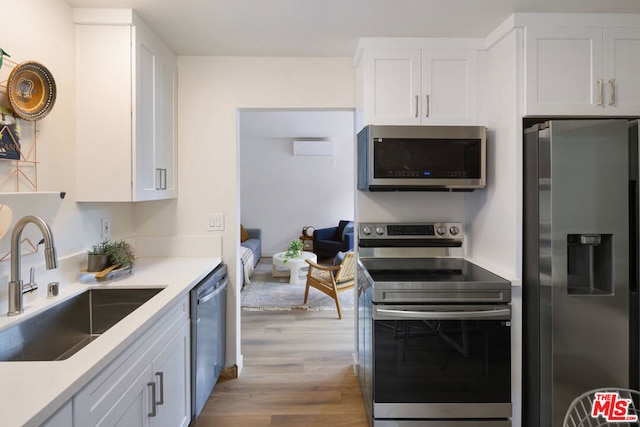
(327, 242)
(252, 240)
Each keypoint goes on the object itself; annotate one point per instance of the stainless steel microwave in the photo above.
(422, 158)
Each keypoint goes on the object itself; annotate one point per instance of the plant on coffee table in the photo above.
(294, 251)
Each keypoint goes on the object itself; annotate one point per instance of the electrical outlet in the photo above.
(105, 224)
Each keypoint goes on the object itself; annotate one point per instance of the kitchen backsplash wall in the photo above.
(407, 206)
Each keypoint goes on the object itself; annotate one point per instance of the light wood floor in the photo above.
(297, 372)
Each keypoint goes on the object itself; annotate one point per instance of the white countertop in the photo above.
(32, 391)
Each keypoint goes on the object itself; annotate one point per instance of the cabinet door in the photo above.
(392, 87)
(171, 369)
(155, 140)
(621, 71)
(134, 407)
(563, 71)
(103, 113)
(449, 86)
(166, 141)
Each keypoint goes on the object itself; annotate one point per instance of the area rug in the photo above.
(266, 293)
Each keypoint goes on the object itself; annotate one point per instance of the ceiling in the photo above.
(328, 27)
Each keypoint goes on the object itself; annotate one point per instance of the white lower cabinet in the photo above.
(171, 373)
(148, 385)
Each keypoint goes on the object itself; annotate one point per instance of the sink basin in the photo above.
(64, 329)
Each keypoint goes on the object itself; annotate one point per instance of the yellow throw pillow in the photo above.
(243, 234)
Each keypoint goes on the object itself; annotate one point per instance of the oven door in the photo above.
(442, 361)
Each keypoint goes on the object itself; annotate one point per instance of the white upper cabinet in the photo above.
(418, 86)
(449, 86)
(392, 86)
(622, 70)
(582, 71)
(126, 109)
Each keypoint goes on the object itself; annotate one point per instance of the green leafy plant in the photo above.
(119, 253)
(294, 251)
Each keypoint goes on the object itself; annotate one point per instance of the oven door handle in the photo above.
(495, 313)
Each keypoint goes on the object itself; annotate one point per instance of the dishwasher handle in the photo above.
(215, 291)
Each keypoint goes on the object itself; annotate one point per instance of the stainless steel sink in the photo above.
(64, 329)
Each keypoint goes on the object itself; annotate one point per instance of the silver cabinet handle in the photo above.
(161, 179)
(427, 107)
(612, 83)
(417, 101)
(153, 399)
(600, 94)
(160, 376)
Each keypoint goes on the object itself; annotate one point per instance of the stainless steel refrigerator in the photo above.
(579, 263)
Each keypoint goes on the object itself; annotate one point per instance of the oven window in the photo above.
(432, 158)
(449, 361)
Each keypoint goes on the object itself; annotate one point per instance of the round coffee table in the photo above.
(295, 265)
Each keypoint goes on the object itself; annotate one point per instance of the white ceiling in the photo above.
(328, 27)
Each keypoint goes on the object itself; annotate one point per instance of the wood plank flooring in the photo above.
(297, 372)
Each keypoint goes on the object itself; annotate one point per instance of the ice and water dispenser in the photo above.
(590, 264)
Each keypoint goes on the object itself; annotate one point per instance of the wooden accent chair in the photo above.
(331, 279)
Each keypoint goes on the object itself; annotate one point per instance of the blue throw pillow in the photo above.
(339, 257)
(347, 230)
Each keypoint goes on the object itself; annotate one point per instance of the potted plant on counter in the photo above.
(98, 258)
(109, 253)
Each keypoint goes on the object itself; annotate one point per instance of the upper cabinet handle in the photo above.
(600, 94)
(417, 101)
(612, 82)
(428, 107)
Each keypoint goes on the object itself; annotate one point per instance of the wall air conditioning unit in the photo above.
(312, 148)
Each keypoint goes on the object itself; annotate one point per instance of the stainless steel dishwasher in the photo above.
(208, 323)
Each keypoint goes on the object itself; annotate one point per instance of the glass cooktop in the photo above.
(428, 270)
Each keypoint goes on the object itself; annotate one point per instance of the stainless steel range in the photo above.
(434, 341)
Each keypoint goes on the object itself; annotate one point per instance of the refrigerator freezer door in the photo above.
(577, 229)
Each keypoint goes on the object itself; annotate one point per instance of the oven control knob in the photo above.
(366, 230)
(380, 230)
(454, 230)
(441, 230)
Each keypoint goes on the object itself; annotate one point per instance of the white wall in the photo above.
(42, 31)
(211, 90)
(409, 206)
(280, 192)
